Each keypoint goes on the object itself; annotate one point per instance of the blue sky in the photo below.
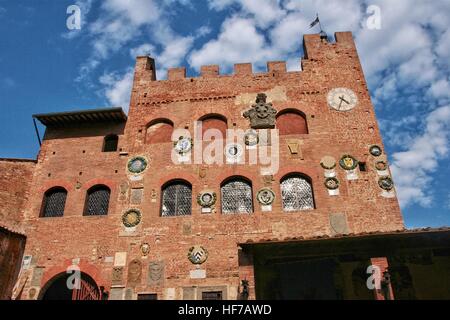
(44, 67)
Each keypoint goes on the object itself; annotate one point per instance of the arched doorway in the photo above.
(57, 288)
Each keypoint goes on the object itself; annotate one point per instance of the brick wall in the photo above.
(72, 158)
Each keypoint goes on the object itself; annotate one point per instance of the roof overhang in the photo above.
(63, 119)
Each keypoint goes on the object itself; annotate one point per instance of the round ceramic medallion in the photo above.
(207, 199)
(233, 150)
(137, 165)
(251, 138)
(183, 145)
(332, 183)
(386, 183)
(328, 163)
(348, 163)
(198, 255)
(131, 218)
(376, 151)
(266, 196)
(381, 166)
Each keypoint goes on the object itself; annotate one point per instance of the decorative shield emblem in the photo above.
(131, 218)
(381, 166)
(328, 163)
(332, 183)
(207, 199)
(251, 138)
(348, 163)
(262, 114)
(266, 196)
(376, 151)
(137, 165)
(145, 249)
(198, 255)
(386, 183)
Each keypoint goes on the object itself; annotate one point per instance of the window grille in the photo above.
(97, 203)
(297, 194)
(216, 295)
(54, 203)
(176, 200)
(237, 197)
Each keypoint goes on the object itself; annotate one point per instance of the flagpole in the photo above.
(320, 25)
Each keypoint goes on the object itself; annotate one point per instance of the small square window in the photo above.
(362, 167)
(148, 296)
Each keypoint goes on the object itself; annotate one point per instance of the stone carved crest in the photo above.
(266, 197)
(117, 275)
(155, 273)
(198, 255)
(262, 114)
(134, 272)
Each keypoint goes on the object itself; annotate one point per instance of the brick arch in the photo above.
(56, 183)
(291, 121)
(159, 130)
(214, 121)
(84, 266)
(232, 172)
(313, 174)
(187, 177)
(99, 181)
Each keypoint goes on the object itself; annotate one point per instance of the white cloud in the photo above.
(412, 169)
(230, 48)
(440, 89)
(118, 88)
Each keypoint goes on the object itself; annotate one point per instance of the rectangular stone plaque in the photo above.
(266, 208)
(333, 193)
(137, 195)
(352, 175)
(155, 273)
(338, 223)
(170, 294)
(198, 274)
(38, 272)
(189, 293)
(116, 294)
(120, 259)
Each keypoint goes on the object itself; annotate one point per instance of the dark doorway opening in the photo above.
(59, 288)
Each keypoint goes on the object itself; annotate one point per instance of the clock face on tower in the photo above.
(342, 99)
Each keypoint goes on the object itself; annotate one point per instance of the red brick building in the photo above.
(124, 199)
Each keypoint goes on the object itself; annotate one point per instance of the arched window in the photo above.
(54, 203)
(97, 201)
(237, 196)
(297, 193)
(214, 122)
(176, 199)
(291, 122)
(159, 131)
(110, 143)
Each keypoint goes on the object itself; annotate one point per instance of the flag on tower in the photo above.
(314, 22)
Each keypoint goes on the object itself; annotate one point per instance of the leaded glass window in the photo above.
(97, 202)
(297, 194)
(176, 200)
(54, 203)
(237, 197)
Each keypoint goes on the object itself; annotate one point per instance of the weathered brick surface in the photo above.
(15, 181)
(72, 158)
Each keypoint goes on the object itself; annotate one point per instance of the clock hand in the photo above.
(340, 104)
(343, 100)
